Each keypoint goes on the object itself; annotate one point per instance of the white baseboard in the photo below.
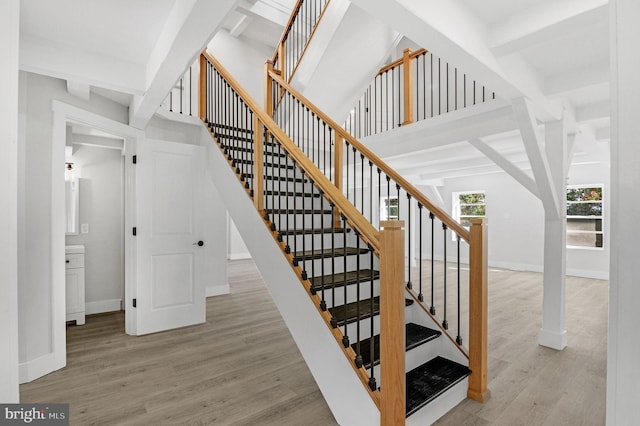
(217, 290)
(103, 306)
(598, 275)
(239, 256)
(36, 368)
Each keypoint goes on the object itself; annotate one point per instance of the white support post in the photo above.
(623, 369)
(9, 45)
(535, 151)
(553, 333)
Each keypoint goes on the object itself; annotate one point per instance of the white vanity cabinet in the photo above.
(74, 264)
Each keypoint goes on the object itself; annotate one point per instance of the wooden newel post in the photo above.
(268, 89)
(202, 89)
(407, 89)
(392, 328)
(478, 312)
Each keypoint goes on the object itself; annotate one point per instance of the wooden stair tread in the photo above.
(292, 194)
(280, 178)
(314, 231)
(340, 279)
(338, 312)
(299, 211)
(326, 253)
(416, 335)
(430, 380)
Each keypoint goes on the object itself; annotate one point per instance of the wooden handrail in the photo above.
(369, 234)
(400, 61)
(287, 28)
(415, 193)
(278, 55)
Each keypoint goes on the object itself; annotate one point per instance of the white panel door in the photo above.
(170, 287)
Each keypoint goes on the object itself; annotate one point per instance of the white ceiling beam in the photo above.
(479, 121)
(97, 141)
(537, 156)
(190, 26)
(44, 57)
(577, 79)
(603, 133)
(79, 89)
(593, 111)
(240, 26)
(449, 29)
(514, 171)
(547, 21)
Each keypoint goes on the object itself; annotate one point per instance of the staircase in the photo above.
(357, 245)
(334, 250)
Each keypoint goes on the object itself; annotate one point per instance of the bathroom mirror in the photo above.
(72, 203)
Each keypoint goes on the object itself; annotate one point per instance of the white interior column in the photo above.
(9, 46)
(553, 333)
(623, 368)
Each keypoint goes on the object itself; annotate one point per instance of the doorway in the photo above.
(94, 238)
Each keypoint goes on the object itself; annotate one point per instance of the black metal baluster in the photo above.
(388, 198)
(362, 183)
(409, 284)
(190, 91)
(346, 151)
(333, 254)
(379, 195)
(370, 191)
(355, 191)
(433, 271)
(323, 303)
(431, 87)
(420, 295)
(304, 226)
(372, 345)
(458, 337)
(358, 359)
(445, 324)
(447, 86)
(181, 94)
(439, 87)
(287, 248)
(345, 337)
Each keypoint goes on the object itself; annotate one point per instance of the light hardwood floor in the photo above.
(242, 366)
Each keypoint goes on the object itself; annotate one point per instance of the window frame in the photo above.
(457, 207)
(582, 217)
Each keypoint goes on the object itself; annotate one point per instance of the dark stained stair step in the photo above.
(280, 178)
(340, 279)
(415, 335)
(249, 149)
(327, 253)
(432, 379)
(230, 128)
(292, 194)
(338, 312)
(313, 231)
(299, 211)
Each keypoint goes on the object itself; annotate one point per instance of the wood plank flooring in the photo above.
(242, 367)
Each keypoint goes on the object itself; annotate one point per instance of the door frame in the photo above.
(64, 113)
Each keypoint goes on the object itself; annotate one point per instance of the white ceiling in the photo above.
(558, 49)
(127, 29)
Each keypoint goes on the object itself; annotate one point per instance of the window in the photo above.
(468, 205)
(389, 208)
(584, 216)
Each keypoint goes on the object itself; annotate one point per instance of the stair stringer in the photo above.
(345, 394)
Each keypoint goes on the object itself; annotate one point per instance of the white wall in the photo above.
(9, 45)
(243, 60)
(236, 246)
(168, 130)
(101, 208)
(35, 226)
(623, 372)
(516, 222)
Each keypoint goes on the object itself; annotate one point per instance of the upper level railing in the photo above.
(296, 36)
(418, 86)
(182, 97)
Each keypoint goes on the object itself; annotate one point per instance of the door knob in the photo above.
(199, 243)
